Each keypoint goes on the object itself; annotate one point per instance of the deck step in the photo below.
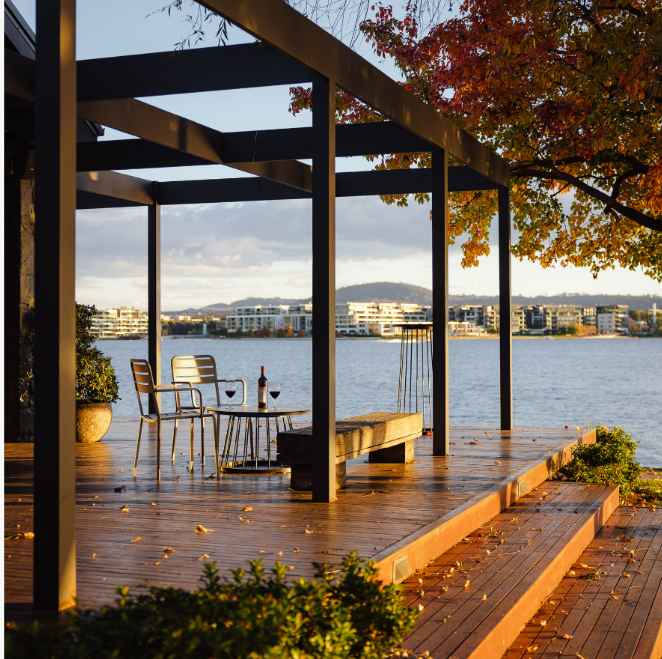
(612, 605)
(477, 596)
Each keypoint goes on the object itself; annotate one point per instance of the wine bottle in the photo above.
(262, 390)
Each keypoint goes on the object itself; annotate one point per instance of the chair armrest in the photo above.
(244, 390)
(185, 387)
(175, 386)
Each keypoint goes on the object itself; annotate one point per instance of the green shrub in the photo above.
(250, 614)
(95, 375)
(610, 461)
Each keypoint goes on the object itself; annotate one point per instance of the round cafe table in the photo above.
(247, 426)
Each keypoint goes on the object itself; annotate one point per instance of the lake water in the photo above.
(555, 382)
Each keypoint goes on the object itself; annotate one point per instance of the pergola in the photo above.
(75, 174)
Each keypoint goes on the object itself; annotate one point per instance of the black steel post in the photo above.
(324, 291)
(505, 312)
(54, 559)
(440, 418)
(12, 291)
(154, 292)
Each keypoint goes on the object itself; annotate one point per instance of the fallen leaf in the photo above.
(135, 539)
(168, 552)
(296, 550)
(204, 557)
(308, 531)
(420, 606)
(566, 637)
(484, 597)
(247, 509)
(531, 648)
(572, 573)
(124, 509)
(94, 555)
(467, 583)
(543, 623)
(201, 529)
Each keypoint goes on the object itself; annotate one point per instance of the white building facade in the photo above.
(119, 322)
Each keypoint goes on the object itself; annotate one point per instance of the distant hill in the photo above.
(399, 292)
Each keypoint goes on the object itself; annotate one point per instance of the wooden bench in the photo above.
(384, 436)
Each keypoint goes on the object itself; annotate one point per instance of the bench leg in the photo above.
(402, 453)
(301, 477)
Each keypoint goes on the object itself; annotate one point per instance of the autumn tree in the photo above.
(569, 92)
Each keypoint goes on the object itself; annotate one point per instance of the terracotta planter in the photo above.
(92, 421)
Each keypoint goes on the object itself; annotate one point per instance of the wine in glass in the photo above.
(274, 390)
(230, 389)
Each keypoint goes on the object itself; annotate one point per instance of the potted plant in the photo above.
(96, 384)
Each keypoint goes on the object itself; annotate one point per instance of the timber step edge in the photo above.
(416, 550)
(475, 599)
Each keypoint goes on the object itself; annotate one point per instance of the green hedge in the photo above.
(254, 613)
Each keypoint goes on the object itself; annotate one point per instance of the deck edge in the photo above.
(504, 633)
(415, 551)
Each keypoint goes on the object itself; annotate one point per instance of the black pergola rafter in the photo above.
(292, 50)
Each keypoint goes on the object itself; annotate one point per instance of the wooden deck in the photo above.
(124, 524)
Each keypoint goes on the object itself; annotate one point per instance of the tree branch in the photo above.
(652, 223)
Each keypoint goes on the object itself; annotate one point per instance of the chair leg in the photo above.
(202, 443)
(158, 450)
(174, 438)
(135, 462)
(191, 435)
(215, 421)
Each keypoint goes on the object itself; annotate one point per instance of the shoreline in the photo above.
(462, 337)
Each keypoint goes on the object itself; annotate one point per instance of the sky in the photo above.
(224, 252)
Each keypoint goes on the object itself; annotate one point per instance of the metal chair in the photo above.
(201, 370)
(143, 381)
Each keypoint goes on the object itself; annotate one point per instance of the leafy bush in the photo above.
(95, 375)
(610, 461)
(250, 614)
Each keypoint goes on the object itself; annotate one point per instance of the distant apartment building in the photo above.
(563, 318)
(119, 322)
(258, 318)
(377, 318)
(588, 316)
(352, 318)
(465, 328)
(613, 319)
(518, 320)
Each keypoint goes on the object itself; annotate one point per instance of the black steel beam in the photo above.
(268, 145)
(194, 70)
(54, 557)
(254, 145)
(440, 416)
(154, 293)
(175, 132)
(130, 190)
(505, 313)
(215, 191)
(273, 22)
(324, 291)
(348, 184)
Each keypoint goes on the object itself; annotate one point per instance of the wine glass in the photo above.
(274, 390)
(230, 389)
